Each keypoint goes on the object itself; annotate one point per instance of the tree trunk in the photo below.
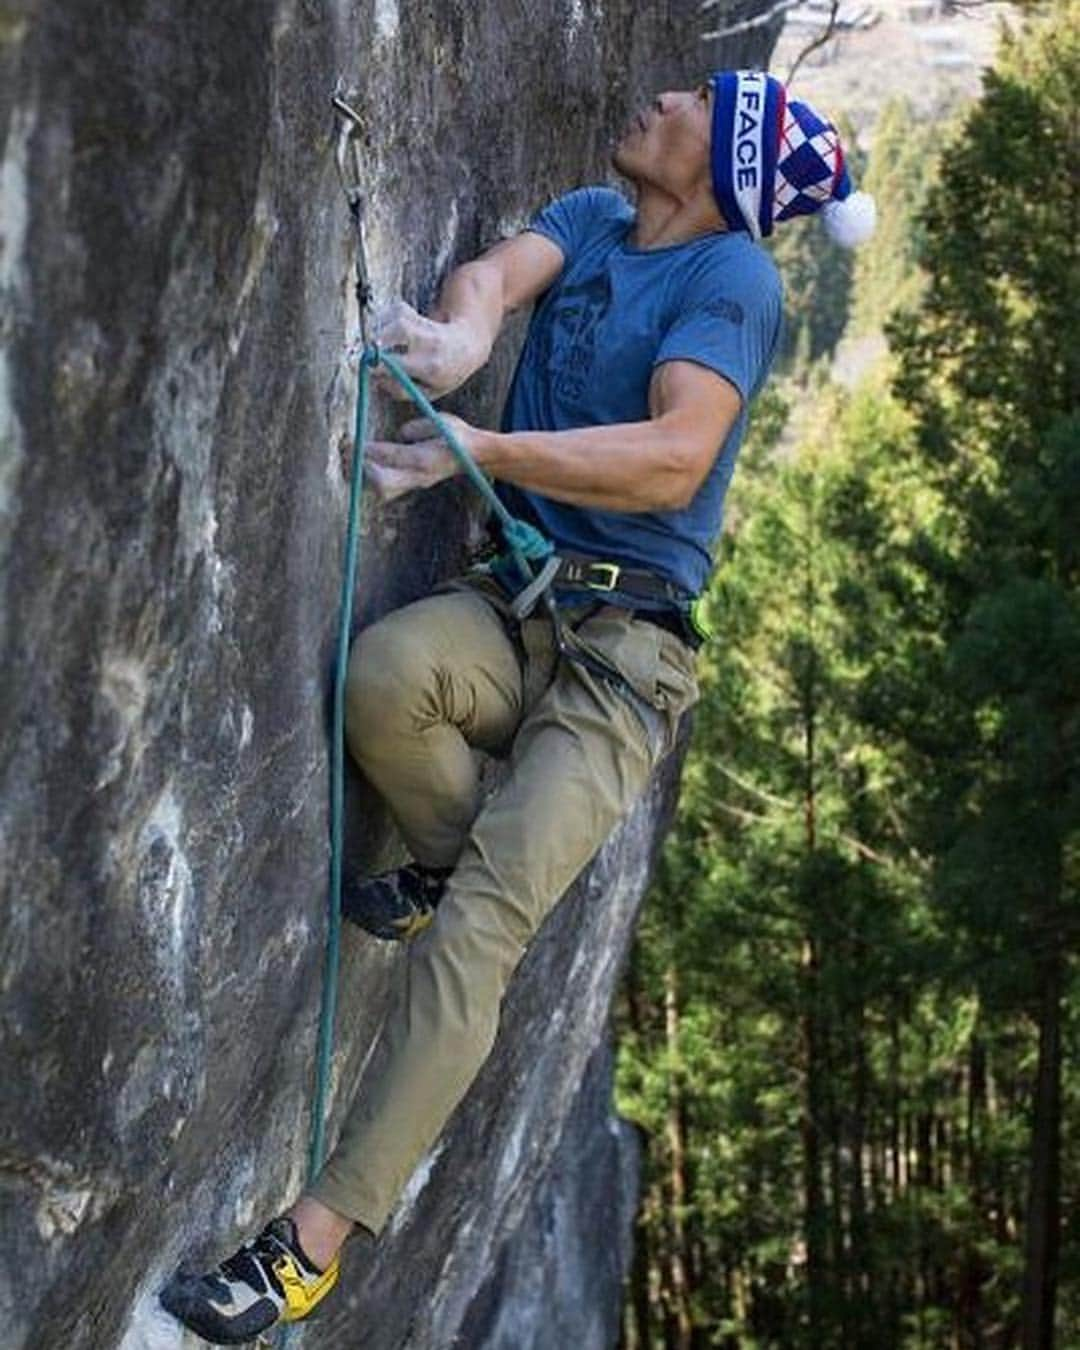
(1044, 1200)
(816, 1221)
(973, 1271)
(679, 1263)
(638, 1315)
(810, 968)
(839, 1287)
(895, 1103)
(861, 1152)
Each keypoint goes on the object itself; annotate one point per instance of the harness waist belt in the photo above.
(595, 575)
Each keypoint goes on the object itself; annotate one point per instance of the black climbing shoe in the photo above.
(267, 1281)
(394, 905)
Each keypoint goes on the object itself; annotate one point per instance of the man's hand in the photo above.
(420, 459)
(441, 352)
(438, 355)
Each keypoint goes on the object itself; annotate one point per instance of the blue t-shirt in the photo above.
(595, 336)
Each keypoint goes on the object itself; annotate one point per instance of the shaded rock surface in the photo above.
(175, 292)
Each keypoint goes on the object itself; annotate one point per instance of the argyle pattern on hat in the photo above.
(810, 168)
(771, 158)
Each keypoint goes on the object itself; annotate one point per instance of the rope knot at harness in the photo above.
(526, 539)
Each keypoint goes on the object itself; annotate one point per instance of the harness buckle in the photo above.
(610, 573)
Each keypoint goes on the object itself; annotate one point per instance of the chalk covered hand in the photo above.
(438, 355)
(420, 459)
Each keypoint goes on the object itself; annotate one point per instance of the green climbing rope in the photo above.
(332, 958)
(525, 542)
(526, 545)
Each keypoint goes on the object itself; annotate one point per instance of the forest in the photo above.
(849, 1026)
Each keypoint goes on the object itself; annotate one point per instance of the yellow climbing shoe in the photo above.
(269, 1280)
(394, 906)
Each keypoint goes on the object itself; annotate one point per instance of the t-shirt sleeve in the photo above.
(732, 327)
(568, 219)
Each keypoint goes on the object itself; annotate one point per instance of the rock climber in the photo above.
(653, 328)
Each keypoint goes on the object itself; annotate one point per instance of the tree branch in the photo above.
(746, 25)
(745, 817)
(742, 816)
(753, 790)
(817, 42)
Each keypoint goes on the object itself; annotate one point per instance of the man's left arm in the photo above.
(654, 465)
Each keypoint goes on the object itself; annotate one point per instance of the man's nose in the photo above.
(669, 100)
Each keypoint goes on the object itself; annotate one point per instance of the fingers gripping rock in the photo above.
(438, 355)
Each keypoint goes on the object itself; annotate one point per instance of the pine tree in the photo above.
(900, 168)
(991, 364)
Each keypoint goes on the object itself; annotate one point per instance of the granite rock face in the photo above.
(175, 293)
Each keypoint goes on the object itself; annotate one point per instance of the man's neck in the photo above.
(662, 220)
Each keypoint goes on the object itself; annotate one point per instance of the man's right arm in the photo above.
(441, 352)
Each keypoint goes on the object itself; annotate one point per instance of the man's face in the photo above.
(667, 143)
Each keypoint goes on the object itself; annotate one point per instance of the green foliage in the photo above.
(900, 169)
(817, 280)
(991, 366)
(817, 288)
(862, 937)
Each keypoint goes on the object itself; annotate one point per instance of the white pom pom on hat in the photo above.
(850, 222)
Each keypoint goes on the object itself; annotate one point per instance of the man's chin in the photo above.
(622, 161)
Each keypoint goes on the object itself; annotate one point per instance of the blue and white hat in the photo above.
(774, 158)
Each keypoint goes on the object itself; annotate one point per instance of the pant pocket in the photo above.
(677, 686)
(657, 667)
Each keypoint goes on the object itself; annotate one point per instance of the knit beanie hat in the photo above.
(774, 157)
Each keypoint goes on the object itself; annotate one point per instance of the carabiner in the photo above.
(351, 123)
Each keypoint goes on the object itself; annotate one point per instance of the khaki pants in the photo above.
(428, 685)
